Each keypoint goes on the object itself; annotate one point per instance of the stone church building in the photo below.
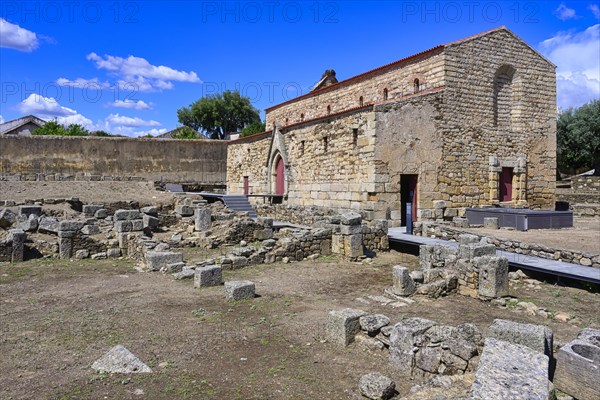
(465, 124)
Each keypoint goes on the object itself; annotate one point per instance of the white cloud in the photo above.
(132, 104)
(132, 122)
(137, 73)
(153, 132)
(563, 12)
(14, 37)
(577, 59)
(83, 83)
(595, 10)
(75, 119)
(2, 120)
(48, 108)
(44, 106)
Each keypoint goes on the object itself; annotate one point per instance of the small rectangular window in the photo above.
(302, 148)
(354, 137)
(325, 143)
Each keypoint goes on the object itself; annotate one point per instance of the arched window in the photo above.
(503, 96)
(302, 117)
(328, 110)
(385, 94)
(360, 101)
(416, 85)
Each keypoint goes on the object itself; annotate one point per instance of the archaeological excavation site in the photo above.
(399, 234)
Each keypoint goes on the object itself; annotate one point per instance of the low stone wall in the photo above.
(299, 215)
(172, 160)
(80, 177)
(447, 232)
(585, 184)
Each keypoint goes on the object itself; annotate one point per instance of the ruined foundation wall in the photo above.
(199, 161)
(482, 135)
(397, 79)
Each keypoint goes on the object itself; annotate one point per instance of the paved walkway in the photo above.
(522, 261)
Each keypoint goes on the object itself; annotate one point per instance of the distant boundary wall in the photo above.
(171, 160)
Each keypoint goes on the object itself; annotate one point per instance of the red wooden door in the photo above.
(412, 185)
(246, 186)
(506, 177)
(279, 179)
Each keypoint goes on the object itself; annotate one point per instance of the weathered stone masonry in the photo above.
(482, 105)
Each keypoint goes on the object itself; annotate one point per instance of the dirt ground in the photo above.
(88, 192)
(584, 236)
(57, 317)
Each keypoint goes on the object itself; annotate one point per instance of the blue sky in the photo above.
(127, 66)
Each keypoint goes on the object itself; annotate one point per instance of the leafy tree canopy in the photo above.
(578, 139)
(185, 132)
(220, 114)
(253, 128)
(53, 128)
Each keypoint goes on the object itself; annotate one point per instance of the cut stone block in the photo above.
(470, 251)
(155, 260)
(7, 218)
(467, 238)
(185, 273)
(90, 230)
(123, 226)
(30, 210)
(350, 218)
(239, 290)
(150, 222)
(90, 209)
(373, 323)
(17, 236)
(72, 226)
(101, 213)
(403, 283)
(126, 215)
(402, 339)
(201, 218)
(578, 370)
(353, 246)
(119, 360)
(493, 276)
(150, 210)
(137, 225)
(81, 254)
(536, 337)
(343, 325)
(351, 229)
(211, 275)
(48, 225)
(376, 386)
(184, 210)
(173, 268)
(510, 372)
(491, 223)
(27, 223)
(113, 253)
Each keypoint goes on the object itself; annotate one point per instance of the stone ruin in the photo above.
(472, 269)
(149, 234)
(511, 361)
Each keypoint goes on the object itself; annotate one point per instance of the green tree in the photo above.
(76, 130)
(578, 139)
(185, 132)
(253, 128)
(220, 114)
(51, 128)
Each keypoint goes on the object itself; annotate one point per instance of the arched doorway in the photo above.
(279, 176)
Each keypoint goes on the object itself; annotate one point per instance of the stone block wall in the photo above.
(446, 232)
(527, 143)
(493, 107)
(398, 78)
(172, 160)
(586, 184)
